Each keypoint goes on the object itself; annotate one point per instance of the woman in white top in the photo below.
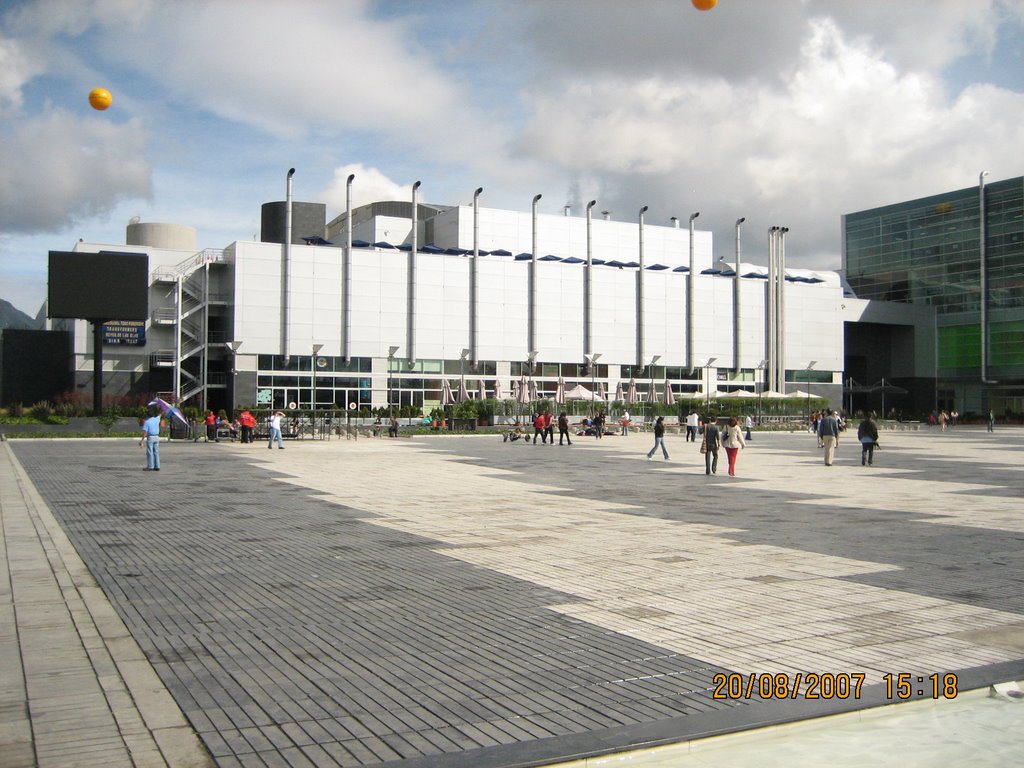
(733, 441)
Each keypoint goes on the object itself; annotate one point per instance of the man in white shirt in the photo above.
(692, 423)
(275, 430)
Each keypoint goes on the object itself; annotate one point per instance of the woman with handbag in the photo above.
(733, 442)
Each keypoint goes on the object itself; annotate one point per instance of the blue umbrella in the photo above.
(169, 410)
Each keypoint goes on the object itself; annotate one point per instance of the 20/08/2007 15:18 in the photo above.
(828, 685)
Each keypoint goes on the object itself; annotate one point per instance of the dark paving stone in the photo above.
(293, 632)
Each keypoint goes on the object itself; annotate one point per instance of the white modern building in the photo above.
(392, 306)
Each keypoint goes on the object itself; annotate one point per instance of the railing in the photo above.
(189, 265)
(162, 357)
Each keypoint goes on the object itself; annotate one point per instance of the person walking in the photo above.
(867, 433)
(538, 428)
(275, 430)
(211, 426)
(828, 435)
(991, 427)
(625, 423)
(599, 425)
(750, 427)
(659, 438)
(563, 429)
(712, 439)
(248, 422)
(733, 442)
(692, 423)
(151, 439)
(549, 428)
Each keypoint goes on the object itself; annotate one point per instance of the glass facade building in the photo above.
(963, 253)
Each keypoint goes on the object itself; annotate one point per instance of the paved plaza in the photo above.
(464, 602)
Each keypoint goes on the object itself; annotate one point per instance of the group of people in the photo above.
(714, 438)
(544, 428)
(830, 425)
(241, 427)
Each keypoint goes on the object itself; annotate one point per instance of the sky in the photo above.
(785, 112)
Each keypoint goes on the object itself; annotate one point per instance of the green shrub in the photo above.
(107, 421)
(41, 410)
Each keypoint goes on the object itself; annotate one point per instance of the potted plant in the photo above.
(485, 411)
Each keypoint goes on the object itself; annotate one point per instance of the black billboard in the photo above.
(36, 366)
(98, 286)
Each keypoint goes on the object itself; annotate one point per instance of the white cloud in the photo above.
(792, 111)
(58, 169)
(369, 185)
(847, 129)
(304, 70)
(17, 67)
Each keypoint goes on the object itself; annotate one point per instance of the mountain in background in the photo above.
(12, 317)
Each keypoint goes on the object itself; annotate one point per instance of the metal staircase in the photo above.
(190, 315)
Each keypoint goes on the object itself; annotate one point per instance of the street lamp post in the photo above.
(650, 392)
(592, 363)
(807, 381)
(531, 361)
(391, 361)
(234, 345)
(762, 366)
(462, 367)
(707, 383)
(312, 394)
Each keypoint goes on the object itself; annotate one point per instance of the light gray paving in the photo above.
(461, 601)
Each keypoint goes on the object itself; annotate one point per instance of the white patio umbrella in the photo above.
(524, 391)
(498, 394)
(515, 390)
(601, 394)
(560, 391)
(737, 394)
(463, 392)
(667, 397)
(533, 390)
(631, 393)
(447, 398)
(482, 387)
(771, 393)
(579, 392)
(619, 395)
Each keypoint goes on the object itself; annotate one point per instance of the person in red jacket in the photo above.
(211, 426)
(538, 428)
(246, 421)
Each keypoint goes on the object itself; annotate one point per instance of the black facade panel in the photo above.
(308, 220)
(36, 366)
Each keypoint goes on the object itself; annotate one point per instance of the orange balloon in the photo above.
(100, 98)
(704, 5)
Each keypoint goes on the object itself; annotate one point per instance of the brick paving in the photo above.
(459, 601)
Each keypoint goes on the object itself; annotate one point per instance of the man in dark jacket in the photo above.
(867, 433)
(711, 442)
(828, 433)
(563, 429)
